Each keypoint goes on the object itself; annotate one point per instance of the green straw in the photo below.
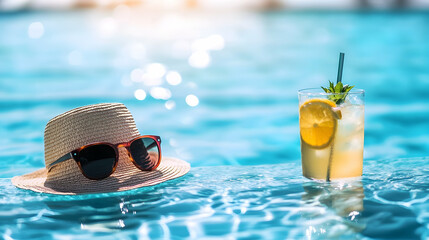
(340, 68)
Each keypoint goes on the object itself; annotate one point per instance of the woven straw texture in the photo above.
(107, 122)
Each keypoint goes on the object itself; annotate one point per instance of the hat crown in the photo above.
(105, 122)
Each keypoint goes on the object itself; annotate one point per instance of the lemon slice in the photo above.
(318, 122)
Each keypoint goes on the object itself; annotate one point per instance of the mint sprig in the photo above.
(339, 91)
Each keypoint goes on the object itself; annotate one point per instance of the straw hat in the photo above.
(106, 122)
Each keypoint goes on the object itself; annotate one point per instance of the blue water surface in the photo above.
(242, 139)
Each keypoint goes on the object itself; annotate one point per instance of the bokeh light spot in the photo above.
(136, 75)
(173, 78)
(213, 42)
(155, 70)
(170, 104)
(192, 100)
(216, 42)
(199, 59)
(107, 27)
(160, 93)
(36, 30)
(140, 94)
(173, 142)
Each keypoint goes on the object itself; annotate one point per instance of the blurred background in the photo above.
(217, 80)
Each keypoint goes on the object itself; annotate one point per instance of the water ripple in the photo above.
(262, 202)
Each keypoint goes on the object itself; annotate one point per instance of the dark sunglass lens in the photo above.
(97, 161)
(145, 153)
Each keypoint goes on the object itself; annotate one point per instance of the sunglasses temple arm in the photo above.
(154, 143)
(61, 159)
(151, 145)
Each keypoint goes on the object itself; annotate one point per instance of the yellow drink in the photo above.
(331, 136)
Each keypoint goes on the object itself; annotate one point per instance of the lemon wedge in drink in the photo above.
(318, 122)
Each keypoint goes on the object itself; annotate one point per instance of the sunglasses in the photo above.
(99, 160)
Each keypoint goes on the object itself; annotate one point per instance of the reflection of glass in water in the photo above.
(338, 205)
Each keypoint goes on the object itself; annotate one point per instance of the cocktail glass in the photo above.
(332, 135)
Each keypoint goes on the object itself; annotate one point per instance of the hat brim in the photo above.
(169, 168)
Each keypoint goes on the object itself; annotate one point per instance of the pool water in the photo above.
(241, 136)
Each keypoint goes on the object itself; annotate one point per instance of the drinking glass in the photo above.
(332, 134)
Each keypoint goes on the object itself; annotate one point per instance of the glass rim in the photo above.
(320, 92)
